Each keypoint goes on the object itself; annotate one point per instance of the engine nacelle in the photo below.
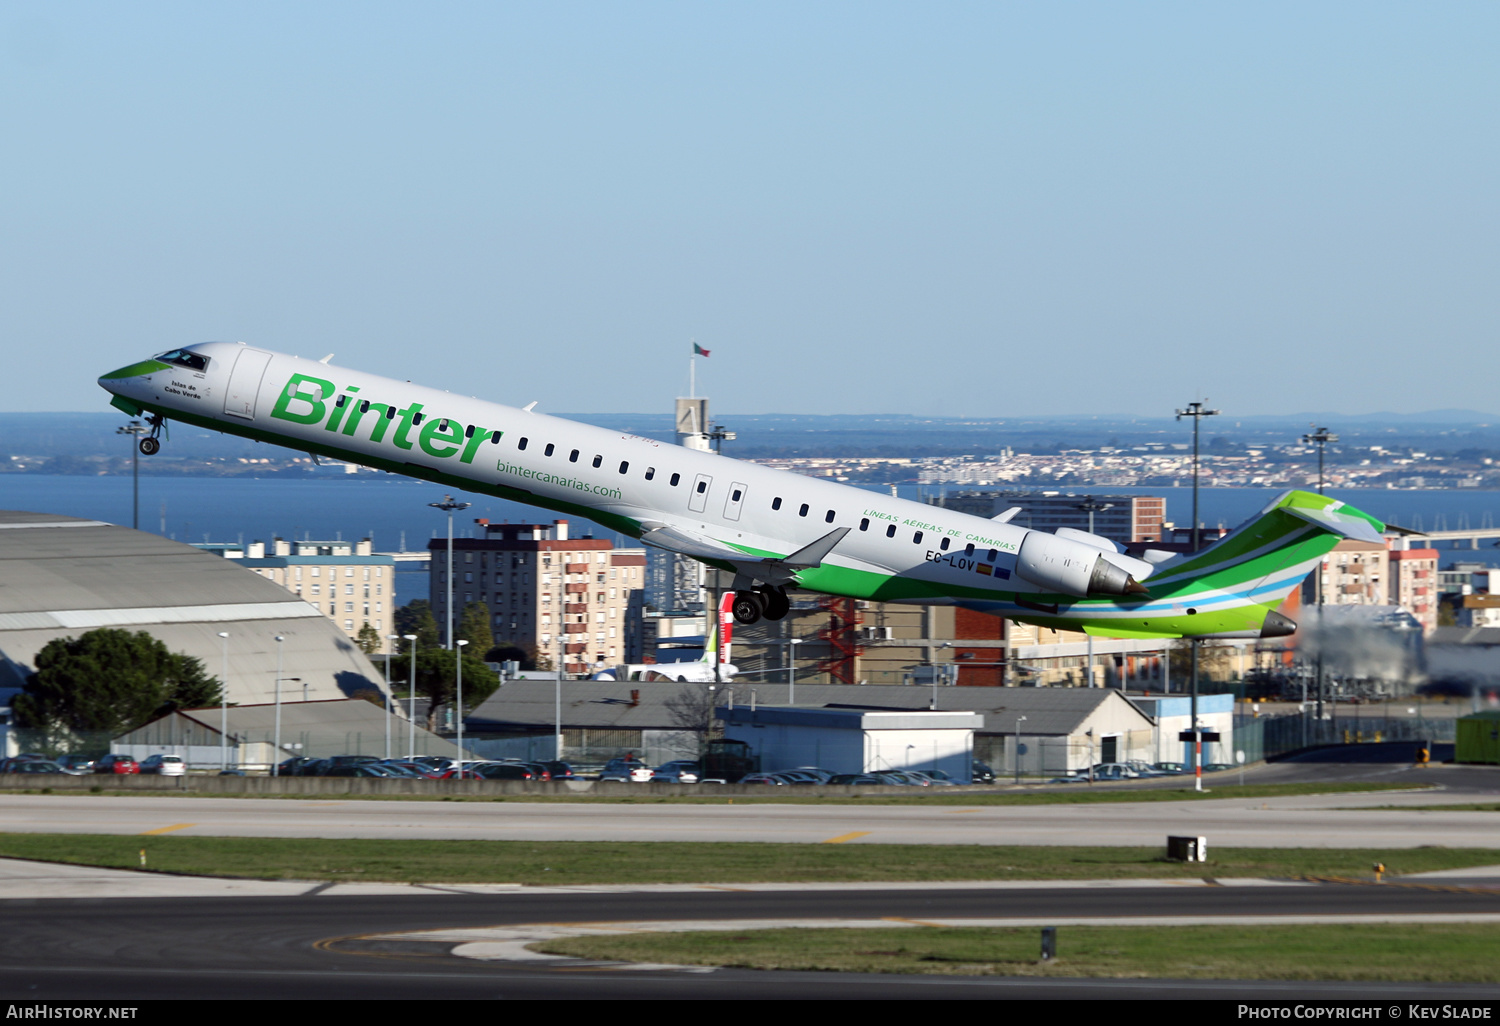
(1071, 568)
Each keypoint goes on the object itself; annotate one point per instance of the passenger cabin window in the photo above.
(735, 496)
(364, 406)
(494, 438)
(183, 358)
(992, 555)
(969, 549)
(598, 462)
(702, 487)
(890, 530)
(802, 510)
(469, 431)
(776, 502)
(864, 524)
(342, 400)
(624, 466)
(417, 418)
(650, 473)
(828, 517)
(522, 443)
(943, 544)
(390, 413)
(573, 456)
(675, 478)
(917, 537)
(549, 450)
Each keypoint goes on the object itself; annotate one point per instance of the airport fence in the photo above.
(1263, 737)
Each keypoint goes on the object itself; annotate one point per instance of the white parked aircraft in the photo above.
(769, 528)
(698, 671)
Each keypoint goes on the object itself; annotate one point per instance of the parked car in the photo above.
(164, 765)
(853, 779)
(763, 778)
(628, 770)
(355, 770)
(464, 773)
(981, 773)
(1114, 771)
(937, 777)
(77, 763)
(503, 771)
(1170, 767)
(118, 764)
(559, 770)
(39, 766)
(679, 771)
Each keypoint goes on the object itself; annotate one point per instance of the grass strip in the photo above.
(578, 862)
(1445, 953)
(1073, 794)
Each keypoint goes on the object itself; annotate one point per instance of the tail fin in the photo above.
(723, 625)
(1269, 554)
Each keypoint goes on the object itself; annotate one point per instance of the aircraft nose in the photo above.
(1277, 626)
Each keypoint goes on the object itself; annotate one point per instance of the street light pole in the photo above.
(1091, 506)
(389, 692)
(458, 706)
(134, 430)
(1321, 437)
(1019, 721)
(448, 506)
(276, 755)
(791, 670)
(411, 723)
(224, 708)
(1197, 411)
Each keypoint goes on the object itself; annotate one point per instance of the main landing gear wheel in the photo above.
(150, 447)
(776, 602)
(749, 607)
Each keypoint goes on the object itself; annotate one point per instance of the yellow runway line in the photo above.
(913, 922)
(841, 838)
(166, 829)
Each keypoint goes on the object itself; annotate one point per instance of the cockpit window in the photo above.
(183, 358)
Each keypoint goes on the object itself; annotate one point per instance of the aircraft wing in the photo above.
(770, 570)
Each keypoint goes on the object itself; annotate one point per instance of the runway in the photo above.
(320, 946)
(1325, 821)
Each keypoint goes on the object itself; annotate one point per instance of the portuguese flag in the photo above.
(699, 350)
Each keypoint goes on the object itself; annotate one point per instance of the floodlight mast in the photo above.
(1320, 437)
(449, 506)
(1090, 505)
(1197, 411)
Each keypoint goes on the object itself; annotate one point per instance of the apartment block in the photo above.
(346, 581)
(572, 600)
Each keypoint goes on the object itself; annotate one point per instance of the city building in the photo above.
(345, 581)
(1129, 518)
(569, 600)
(1355, 573)
(1413, 584)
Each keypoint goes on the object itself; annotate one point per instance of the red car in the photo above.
(117, 764)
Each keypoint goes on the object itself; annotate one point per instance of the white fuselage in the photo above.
(623, 481)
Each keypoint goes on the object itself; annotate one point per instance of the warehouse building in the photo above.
(64, 576)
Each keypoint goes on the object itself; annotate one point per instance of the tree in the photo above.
(416, 618)
(368, 639)
(437, 678)
(509, 654)
(110, 681)
(474, 627)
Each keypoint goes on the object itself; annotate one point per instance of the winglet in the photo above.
(1005, 518)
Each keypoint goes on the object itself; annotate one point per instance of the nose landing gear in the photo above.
(150, 445)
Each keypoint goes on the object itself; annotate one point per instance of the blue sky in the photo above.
(983, 209)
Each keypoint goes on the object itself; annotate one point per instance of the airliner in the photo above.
(699, 671)
(771, 529)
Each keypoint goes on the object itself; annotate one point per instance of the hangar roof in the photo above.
(61, 576)
(607, 705)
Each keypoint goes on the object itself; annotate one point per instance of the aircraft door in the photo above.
(698, 498)
(735, 501)
(244, 383)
